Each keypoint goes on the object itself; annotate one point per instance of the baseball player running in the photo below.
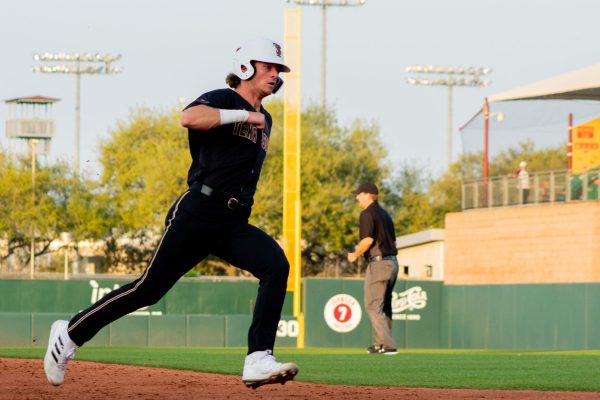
(228, 133)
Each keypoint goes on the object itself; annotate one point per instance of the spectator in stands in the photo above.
(523, 182)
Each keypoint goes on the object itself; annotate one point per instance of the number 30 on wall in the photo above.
(287, 328)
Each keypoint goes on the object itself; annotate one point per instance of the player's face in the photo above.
(265, 77)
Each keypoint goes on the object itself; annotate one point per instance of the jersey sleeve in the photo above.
(366, 225)
(221, 98)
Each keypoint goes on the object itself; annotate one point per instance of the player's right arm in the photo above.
(203, 118)
(200, 118)
(361, 248)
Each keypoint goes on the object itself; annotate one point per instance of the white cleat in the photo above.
(260, 368)
(60, 350)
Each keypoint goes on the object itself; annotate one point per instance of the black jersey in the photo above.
(376, 223)
(229, 157)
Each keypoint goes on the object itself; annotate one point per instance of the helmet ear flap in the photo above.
(243, 69)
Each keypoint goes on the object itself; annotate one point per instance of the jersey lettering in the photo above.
(264, 143)
(246, 131)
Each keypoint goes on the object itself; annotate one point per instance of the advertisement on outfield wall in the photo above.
(407, 305)
(343, 313)
(344, 322)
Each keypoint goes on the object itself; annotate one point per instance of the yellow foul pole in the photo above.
(291, 162)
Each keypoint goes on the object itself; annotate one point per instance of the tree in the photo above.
(60, 204)
(445, 193)
(334, 160)
(16, 207)
(145, 165)
(507, 162)
(407, 199)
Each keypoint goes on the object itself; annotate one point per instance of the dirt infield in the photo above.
(24, 379)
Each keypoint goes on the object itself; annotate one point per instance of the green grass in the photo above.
(483, 369)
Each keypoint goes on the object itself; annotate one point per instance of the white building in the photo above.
(421, 255)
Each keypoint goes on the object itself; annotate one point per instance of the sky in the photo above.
(177, 49)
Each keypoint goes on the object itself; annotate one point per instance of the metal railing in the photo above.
(558, 186)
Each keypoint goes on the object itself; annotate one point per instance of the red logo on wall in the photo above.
(585, 132)
(342, 313)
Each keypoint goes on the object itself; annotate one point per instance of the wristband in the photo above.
(231, 116)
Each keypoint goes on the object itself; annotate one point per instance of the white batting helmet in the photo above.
(264, 50)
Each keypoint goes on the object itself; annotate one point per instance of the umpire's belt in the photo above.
(231, 202)
(380, 258)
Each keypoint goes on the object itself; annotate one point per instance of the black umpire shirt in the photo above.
(229, 157)
(376, 223)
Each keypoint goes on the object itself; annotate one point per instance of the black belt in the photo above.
(380, 258)
(231, 202)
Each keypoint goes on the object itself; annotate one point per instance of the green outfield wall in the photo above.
(186, 297)
(541, 316)
(31, 329)
(426, 314)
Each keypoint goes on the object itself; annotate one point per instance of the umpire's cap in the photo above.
(366, 187)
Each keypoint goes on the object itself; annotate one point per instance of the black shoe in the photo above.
(373, 349)
(387, 351)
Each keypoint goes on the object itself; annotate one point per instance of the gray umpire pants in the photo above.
(380, 279)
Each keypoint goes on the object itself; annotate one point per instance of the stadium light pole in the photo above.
(447, 76)
(324, 4)
(77, 64)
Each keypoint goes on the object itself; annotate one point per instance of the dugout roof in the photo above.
(581, 84)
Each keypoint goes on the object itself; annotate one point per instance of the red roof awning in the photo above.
(33, 100)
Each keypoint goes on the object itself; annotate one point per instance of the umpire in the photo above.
(378, 244)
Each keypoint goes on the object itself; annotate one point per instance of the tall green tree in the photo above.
(408, 200)
(507, 162)
(334, 159)
(145, 163)
(444, 192)
(59, 204)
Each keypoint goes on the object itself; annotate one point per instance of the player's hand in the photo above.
(352, 257)
(257, 119)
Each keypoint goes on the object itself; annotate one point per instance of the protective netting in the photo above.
(541, 122)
